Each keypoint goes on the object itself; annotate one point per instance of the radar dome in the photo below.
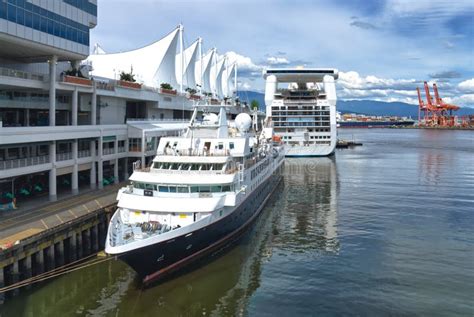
(243, 122)
(210, 118)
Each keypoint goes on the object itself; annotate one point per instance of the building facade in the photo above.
(64, 124)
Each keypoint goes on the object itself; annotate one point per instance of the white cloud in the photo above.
(244, 63)
(467, 85)
(243, 85)
(272, 60)
(466, 100)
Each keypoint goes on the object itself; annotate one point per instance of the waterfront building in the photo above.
(68, 121)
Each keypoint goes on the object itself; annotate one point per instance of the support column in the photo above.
(75, 169)
(75, 97)
(100, 164)
(27, 117)
(51, 258)
(39, 262)
(60, 254)
(87, 241)
(80, 246)
(52, 173)
(125, 176)
(95, 235)
(93, 172)
(116, 171)
(143, 163)
(94, 104)
(2, 284)
(52, 90)
(72, 247)
(28, 266)
(15, 276)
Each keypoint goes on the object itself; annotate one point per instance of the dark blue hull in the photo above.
(155, 261)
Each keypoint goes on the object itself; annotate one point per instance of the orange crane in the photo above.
(421, 106)
(435, 112)
(449, 120)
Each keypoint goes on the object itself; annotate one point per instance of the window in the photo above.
(231, 145)
(182, 189)
(163, 189)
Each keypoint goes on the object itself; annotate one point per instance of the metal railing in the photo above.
(20, 74)
(108, 151)
(83, 153)
(24, 162)
(64, 156)
(121, 149)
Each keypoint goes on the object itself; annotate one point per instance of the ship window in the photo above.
(194, 189)
(163, 189)
(221, 146)
(149, 186)
(204, 189)
(183, 189)
(139, 185)
(172, 189)
(194, 167)
(226, 188)
(231, 145)
(216, 189)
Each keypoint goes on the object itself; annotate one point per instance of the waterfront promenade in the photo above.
(37, 215)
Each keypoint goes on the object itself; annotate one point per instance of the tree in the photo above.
(254, 105)
(127, 76)
(191, 91)
(166, 86)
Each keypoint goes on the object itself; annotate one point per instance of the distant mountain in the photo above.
(368, 107)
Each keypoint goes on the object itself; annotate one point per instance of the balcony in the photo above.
(24, 162)
(108, 151)
(83, 153)
(63, 156)
(77, 80)
(20, 74)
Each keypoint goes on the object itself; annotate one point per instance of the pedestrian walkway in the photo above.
(39, 214)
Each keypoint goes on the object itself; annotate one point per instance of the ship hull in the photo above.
(310, 151)
(156, 261)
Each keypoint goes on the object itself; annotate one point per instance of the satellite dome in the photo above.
(243, 122)
(210, 118)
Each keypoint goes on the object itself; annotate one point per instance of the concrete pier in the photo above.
(53, 248)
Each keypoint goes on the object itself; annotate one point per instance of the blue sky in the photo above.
(383, 49)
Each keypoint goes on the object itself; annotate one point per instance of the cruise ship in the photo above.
(199, 194)
(304, 112)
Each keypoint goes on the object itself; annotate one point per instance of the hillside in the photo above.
(368, 107)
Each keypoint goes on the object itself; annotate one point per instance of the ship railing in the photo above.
(194, 152)
(203, 172)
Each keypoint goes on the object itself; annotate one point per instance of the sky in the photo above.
(383, 49)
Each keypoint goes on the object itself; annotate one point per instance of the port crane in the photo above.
(435, 112)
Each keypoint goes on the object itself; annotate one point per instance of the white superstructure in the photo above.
(303, 112)
(215, 178)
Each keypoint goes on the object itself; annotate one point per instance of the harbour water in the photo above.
(382, 229)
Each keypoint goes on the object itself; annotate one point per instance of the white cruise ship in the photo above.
(199, 194)
(304, 112)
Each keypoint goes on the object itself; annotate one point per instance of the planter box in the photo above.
(77, 80)
(215, 102)
(129, 84)
(195, 97)
(168, 91)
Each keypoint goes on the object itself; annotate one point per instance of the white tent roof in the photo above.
(207, 61)
(227, 80)
(216, 76)
(153, 64)
(189, 61)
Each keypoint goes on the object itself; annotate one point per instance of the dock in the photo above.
(53, 235)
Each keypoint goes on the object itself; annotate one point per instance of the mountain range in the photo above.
(367, 107)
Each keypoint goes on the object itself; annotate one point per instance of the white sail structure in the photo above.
(153, 64)
(228, 84)
(98, 49)
(216, 77)
(188, 60)
(207, 61)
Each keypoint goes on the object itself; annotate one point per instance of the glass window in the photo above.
(11, 13)
(43, 24)
(231, 145)
(20, 16)
(172, 189)
(215, 189)
(204, 189)
(183, 189)
(226, 188)
(36, 22)
(149, 186)
(28, 19)
(194, 189)
(163, 189)
(56, 29)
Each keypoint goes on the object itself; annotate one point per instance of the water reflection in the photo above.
(307, 208)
